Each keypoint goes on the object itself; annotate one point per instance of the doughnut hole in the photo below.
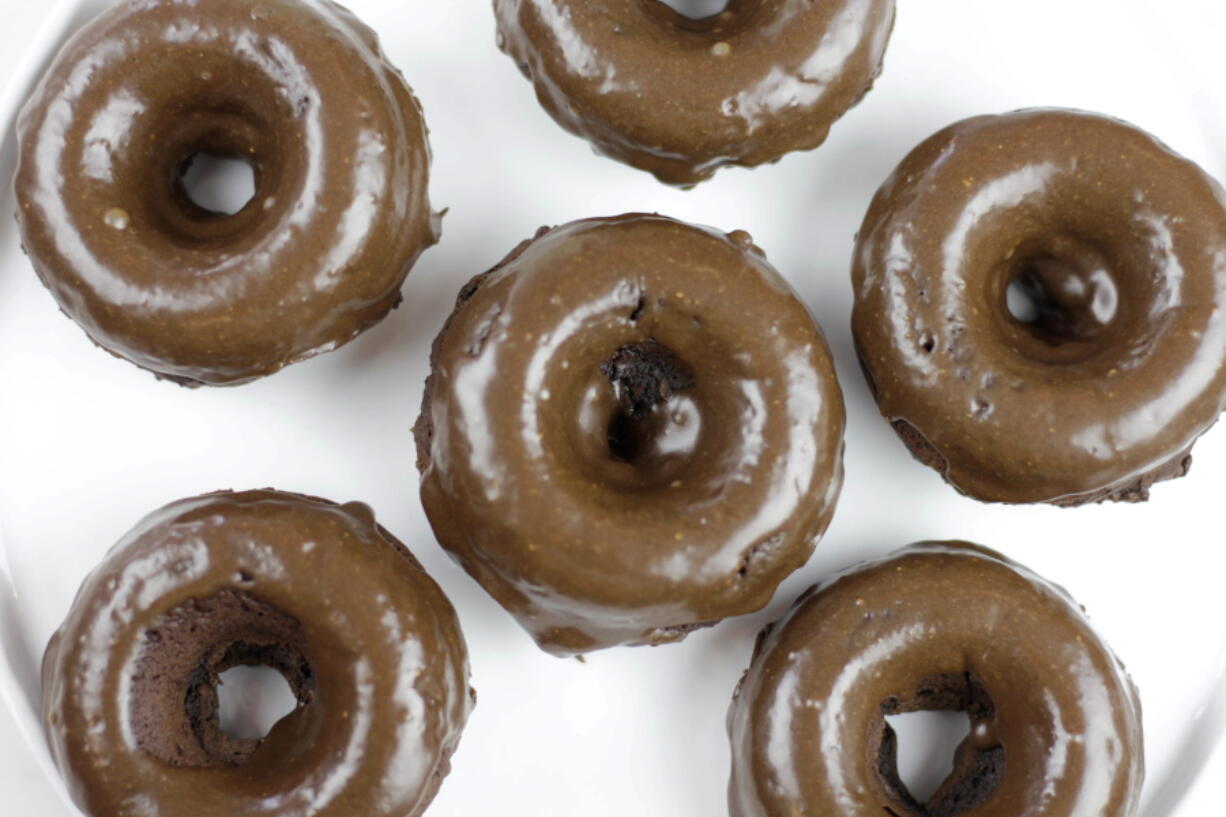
(219, 109)
(665, 408)
(711, 21)
(926, 743)
(219, 184)
(1064, 300)
(696, 9)
(251, 700)
(175, 711)
(978, 764)
(654, 420)
(1062, 294)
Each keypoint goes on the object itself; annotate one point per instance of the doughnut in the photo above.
(300, 91)
(1055, 723)
(631, 429)
(681, 98)
(366, 640)
(1120, 246)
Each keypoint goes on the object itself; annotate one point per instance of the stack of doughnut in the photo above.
(632, 426)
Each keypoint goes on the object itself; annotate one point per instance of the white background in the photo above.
(89, 444)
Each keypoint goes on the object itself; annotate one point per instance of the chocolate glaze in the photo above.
(317, 256)
(1121, 243)
(681, 98)
(367, 641)
(632, 428)
(1055, 720)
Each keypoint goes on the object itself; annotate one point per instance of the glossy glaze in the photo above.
(318, 255)
(388, 670)
(807, 722)
(736, 473)
(681, 98)
(1109, 392)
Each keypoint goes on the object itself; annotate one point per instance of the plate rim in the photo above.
(1166, 796)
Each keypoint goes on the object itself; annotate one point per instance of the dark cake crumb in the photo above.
(646, 374)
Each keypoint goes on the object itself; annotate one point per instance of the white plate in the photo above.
(89, 444)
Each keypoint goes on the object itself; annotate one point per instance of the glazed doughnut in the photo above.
(1055, 720)
(368, 643)
(317, 256)
(632, 428)
(681, 98)
(1121, 245)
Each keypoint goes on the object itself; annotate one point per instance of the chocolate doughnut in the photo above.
(366, 640)
(1121, 245)
(681, 98)
(300, 90)
(1055, 720)
(632, 428)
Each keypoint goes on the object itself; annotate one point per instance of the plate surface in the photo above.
(89, 444)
